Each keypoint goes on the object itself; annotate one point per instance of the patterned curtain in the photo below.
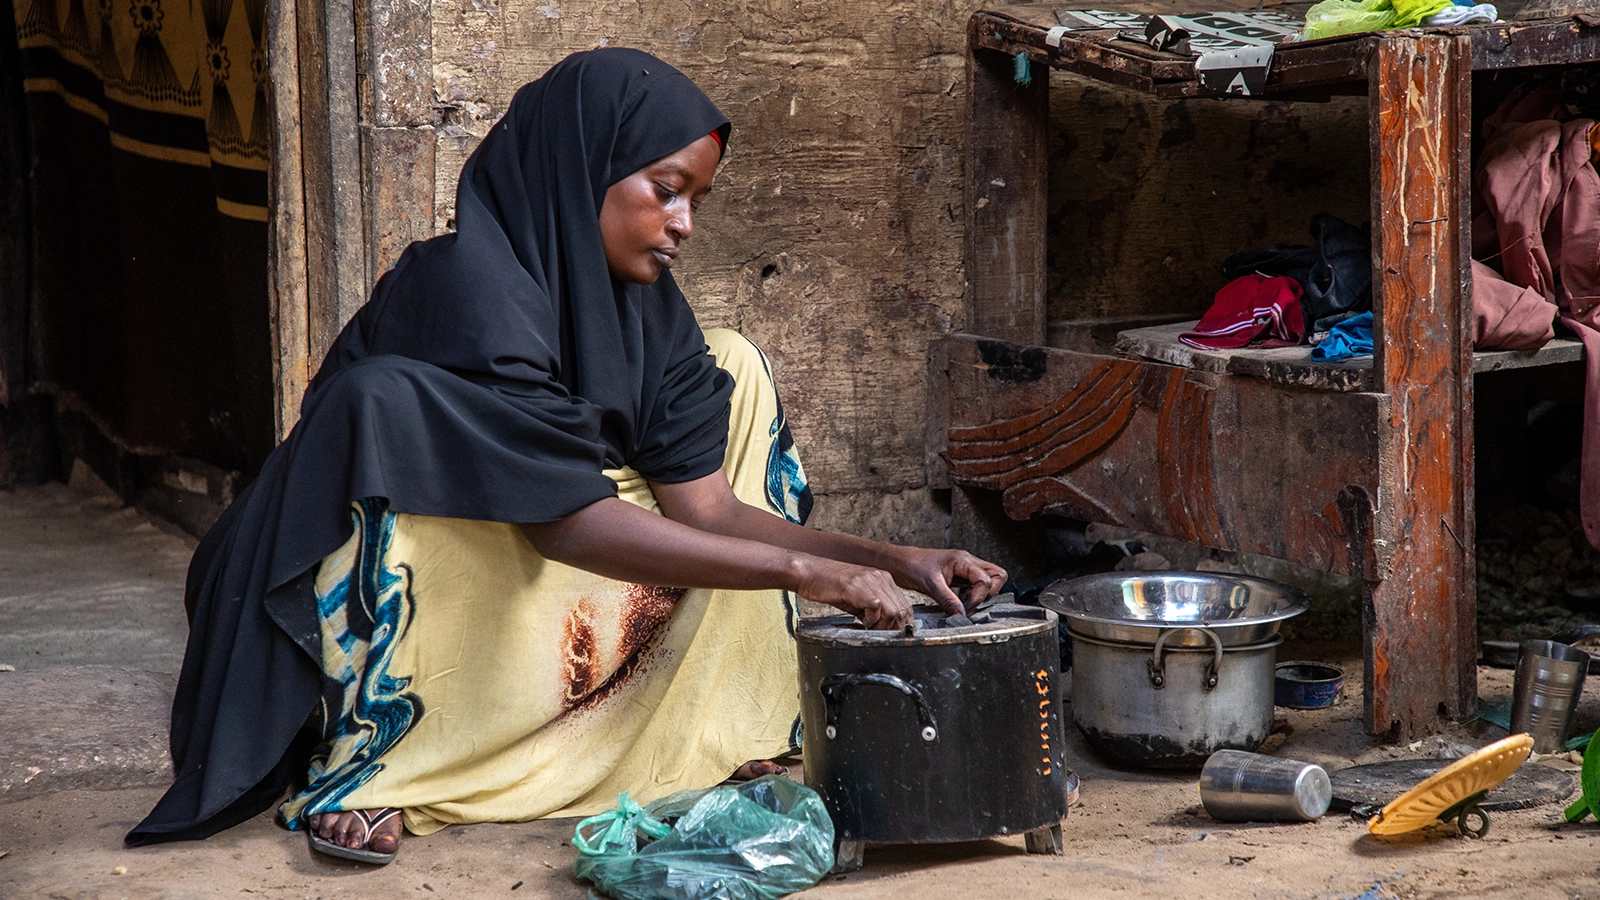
(149, 132)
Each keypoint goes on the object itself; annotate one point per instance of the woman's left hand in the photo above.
(935, 572)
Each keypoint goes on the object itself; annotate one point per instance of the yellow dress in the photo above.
(468, 679)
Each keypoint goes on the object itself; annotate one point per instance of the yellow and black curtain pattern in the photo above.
(169, 80)
(149, 131)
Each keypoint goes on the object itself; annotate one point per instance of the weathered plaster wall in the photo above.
(833, 237)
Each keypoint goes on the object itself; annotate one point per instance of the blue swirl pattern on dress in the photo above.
(788, 493)
(787, 490)
(365, 710)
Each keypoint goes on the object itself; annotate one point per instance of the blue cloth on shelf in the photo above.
(1352, 337)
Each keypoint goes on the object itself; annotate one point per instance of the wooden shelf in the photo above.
(1307, 70)
(1559, 350)
(1356, 467)
(1294, 365)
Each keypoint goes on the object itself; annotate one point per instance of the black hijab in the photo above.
(519, 299)
(493, 375)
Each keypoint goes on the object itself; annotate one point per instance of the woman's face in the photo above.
(647, 216)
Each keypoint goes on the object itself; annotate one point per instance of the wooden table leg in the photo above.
(1420, 620)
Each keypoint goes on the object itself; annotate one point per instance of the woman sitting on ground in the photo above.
(535, 539)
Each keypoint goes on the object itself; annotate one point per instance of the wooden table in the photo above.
(1215, 448)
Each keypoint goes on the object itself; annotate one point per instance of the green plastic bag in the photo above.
(753, 841)
(1335, 17)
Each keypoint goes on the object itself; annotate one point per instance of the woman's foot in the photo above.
(756, 768)
(376, 830)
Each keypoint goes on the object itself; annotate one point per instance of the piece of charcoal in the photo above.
(955, 621)
(1007, 597)
(980, 618)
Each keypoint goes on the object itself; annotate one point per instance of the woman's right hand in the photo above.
(868, 594)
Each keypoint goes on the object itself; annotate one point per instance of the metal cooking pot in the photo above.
(1137, 607)
(937, 734)
(1170, 705)
(1169, 667)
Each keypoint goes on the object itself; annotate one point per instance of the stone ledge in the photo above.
(83, 728)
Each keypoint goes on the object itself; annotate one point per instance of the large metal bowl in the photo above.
(1136, 607)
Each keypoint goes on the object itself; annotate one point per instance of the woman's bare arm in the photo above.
(616, 539)
(708, 504)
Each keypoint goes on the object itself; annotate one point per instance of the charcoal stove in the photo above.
(934, 734)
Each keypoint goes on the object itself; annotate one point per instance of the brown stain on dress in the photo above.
(579, 659)
(647, 609)
(644, 611)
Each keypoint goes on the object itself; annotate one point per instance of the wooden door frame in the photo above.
(351, 177)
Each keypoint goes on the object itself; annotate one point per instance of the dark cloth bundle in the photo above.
(493, 375)
(1335, 272)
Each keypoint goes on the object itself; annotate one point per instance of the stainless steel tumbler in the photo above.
(1236, 786)
(1548, 683)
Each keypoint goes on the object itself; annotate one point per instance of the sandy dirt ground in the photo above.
(1136, 834)
(85, 583)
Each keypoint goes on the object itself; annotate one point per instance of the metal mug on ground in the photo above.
(1236, 786)
(1548, 683)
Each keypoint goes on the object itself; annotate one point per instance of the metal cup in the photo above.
(1548, 683)
(1236, 786)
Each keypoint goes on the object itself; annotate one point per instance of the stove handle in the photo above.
(833, 694)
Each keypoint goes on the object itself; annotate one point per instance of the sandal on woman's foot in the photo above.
(756, 768)
(371, 820)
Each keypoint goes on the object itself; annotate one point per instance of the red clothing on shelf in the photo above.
(1249, 307)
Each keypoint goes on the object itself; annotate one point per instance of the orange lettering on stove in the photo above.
(1041, 683)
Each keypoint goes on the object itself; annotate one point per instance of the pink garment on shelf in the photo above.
(1541, 199)
(1507, 316)
(1532, 100)
(1249, 307)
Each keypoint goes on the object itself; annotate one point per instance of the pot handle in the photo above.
(833, 694)
(1158, 675)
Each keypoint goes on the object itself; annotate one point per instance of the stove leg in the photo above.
(1045, 840)
(847, 856)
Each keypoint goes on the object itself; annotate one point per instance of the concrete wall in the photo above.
(833, 237)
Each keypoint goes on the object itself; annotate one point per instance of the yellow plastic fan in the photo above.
(1453, 792)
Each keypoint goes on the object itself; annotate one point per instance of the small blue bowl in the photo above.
(1307, 685)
